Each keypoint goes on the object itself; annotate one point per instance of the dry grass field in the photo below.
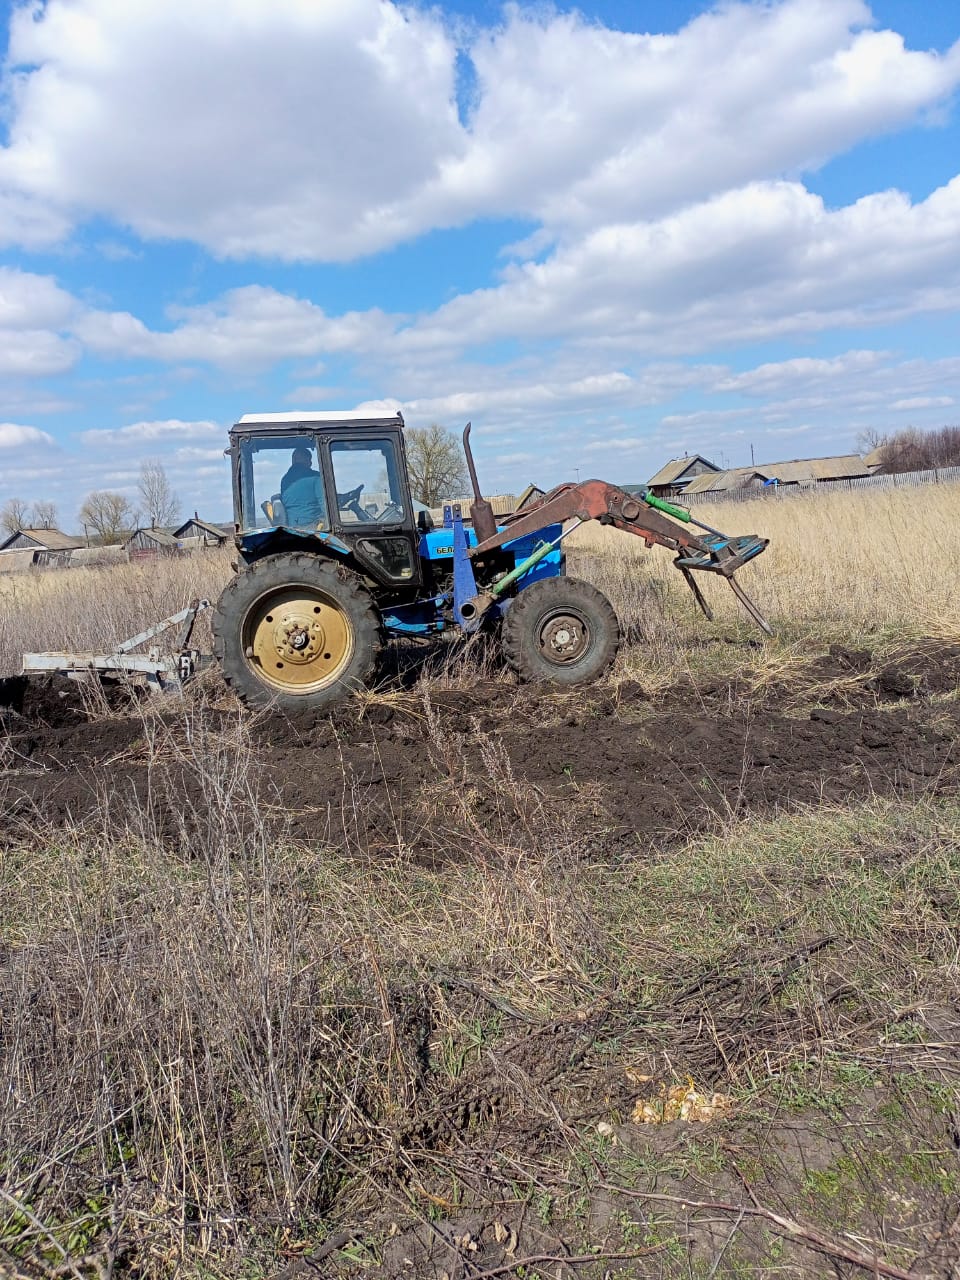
(470, 979)
(854, 563)
(94, 608)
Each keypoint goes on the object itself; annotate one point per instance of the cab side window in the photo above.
(367, 481)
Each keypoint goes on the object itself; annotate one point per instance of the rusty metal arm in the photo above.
(594, 500)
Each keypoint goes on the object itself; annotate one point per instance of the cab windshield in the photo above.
(281, 483)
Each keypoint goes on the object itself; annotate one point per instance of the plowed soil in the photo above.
(383, 772)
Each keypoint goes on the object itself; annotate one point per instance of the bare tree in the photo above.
(436, 463)
(869, 439)
(110, 515)
(158, 501)
(914, 450)
(44, 515)
(15, 515)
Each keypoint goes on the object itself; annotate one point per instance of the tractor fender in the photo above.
(268, 542)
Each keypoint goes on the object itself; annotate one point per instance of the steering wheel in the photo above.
(350, 502)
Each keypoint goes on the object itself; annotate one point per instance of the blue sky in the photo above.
(608, 234)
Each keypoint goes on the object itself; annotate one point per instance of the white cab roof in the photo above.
(322, 415)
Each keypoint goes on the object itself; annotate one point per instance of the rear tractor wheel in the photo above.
(560, 630)
(295, 631)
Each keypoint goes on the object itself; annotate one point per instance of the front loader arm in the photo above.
(594, 500)
(611, 505)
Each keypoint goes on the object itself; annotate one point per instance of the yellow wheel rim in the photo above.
(298, 640)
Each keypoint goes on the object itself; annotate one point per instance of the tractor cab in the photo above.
(338, 479)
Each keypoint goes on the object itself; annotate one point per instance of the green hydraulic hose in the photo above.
(678, 513)
(539, 552)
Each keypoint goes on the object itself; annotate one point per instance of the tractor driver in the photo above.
(301, 492)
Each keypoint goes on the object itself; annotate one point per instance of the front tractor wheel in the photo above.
(560, 630)
(295, 631)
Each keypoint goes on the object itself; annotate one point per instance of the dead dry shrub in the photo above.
(212, 1033)
(188, 1053)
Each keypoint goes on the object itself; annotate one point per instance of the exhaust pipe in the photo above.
(484, 521)
(476, 607)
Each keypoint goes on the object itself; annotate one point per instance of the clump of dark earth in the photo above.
(378, 775)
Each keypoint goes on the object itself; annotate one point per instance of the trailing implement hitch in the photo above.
(162, 670)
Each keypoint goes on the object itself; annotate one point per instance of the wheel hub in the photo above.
(563, 638)
(298, 642)
(298, 639)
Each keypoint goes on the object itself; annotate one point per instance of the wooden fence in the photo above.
(905, 479)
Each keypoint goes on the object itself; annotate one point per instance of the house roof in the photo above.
(47, 539)
(875, 457)
(676, 467)
(844, 466)
(205, 525)
(531, 494)
(163, 537)
(721, 481)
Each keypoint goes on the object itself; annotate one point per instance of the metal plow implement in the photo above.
(162, 670)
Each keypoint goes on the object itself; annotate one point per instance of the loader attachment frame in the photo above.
(610, 505)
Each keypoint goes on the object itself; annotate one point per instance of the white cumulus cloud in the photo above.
(168, 430)
(250, 327)
(327, 131)
(924, 402)
(751, 264)
(33, 313)
(15, 436)
(577, 123)
(283, 128)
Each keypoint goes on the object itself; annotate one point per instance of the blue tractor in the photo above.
(337, 557)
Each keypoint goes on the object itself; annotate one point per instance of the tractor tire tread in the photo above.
(291, 568)
(522, 621)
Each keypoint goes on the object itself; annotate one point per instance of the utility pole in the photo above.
(752, 463)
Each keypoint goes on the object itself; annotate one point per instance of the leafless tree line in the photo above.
(916, 450)
(17, 514)
(106, 516)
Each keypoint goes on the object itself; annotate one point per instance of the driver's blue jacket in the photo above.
(301, 491)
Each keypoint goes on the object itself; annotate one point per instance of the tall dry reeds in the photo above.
(862, 560)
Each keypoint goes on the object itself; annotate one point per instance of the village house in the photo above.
(201, 533)
(147, 543)
(27, 547)
(803, 473)
(674, 478)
